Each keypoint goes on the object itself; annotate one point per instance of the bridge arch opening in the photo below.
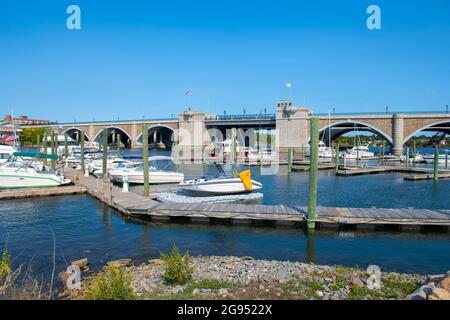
(159, 137)
(75, 134)
(115, 135)
(434, 135)
(346, 132)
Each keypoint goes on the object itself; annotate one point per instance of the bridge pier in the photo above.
(292, 124)
(397, 134)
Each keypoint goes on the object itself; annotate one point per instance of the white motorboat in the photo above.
(216, 187)
(116, 162)
(359, 152)
(220, 186)
(22, 170)
(135, 175)
(6, 152)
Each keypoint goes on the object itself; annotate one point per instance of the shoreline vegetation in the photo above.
(182, 277)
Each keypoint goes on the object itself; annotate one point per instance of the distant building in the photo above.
(24, 120)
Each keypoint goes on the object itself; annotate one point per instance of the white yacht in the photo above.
(429, 158)
(359, 153)
(135, 175)
(22, 170)
(6, 152)
(323, 151)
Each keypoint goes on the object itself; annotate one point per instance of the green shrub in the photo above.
(178, 268)
(111, 284)
(5, 265)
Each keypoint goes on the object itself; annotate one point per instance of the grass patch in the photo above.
(214, 284)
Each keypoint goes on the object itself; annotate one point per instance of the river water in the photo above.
(84, 227)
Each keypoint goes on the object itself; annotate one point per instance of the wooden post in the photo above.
(446, 160)
(105, 154)
(176, 152)
(66, 148)
(337, 158)
(414, 153)
(52, 147)
(313, 164)
(38, 143)
(118, 139)
(382, 153)
(290, 160)
(436, 165)
(233, 152)
(44, 144)
(145, 160)
(83, 167)
(303, 153)
(357, 150)
(407, 157)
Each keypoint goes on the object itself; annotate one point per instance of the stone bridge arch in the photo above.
(438, 126)
(335, 129)
(113, 131)
(75, 133)
(158, 133)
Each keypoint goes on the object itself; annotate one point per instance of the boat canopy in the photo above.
(36, 155)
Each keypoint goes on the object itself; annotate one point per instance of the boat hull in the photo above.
(154, 177)
(217, 187)
(17, 182)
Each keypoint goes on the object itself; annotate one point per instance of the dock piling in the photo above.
(314, 159)
(436, 165)
(446, 160)
(145, 159)
(83, 166)
(337, 158)
(118, 139)
(234, 152)
(66, 148)
(52, 147)
(407, 157)
(290, 151)
(105, 154)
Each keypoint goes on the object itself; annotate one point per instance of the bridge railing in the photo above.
(323, 114)
(264, 116)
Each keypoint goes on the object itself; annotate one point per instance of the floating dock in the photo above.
(429, 176)
(356, 171)
(134, 204)
(9, 194)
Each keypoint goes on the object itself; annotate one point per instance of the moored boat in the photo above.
(22, 170)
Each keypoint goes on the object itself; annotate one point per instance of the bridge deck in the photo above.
(135, 204)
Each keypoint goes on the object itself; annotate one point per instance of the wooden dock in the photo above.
(356, 171)
(428, 176)
(134, 204)
(40, 192)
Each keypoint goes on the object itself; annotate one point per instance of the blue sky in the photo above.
(137, 58)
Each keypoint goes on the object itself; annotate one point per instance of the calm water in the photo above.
(84, 227)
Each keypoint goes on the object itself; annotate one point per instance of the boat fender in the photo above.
(245, 177)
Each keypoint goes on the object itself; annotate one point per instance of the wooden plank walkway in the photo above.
(40, 192)
(130, 203)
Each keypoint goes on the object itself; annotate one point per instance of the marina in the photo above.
(224, 151)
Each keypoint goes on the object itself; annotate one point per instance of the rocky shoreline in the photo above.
(225, 277)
